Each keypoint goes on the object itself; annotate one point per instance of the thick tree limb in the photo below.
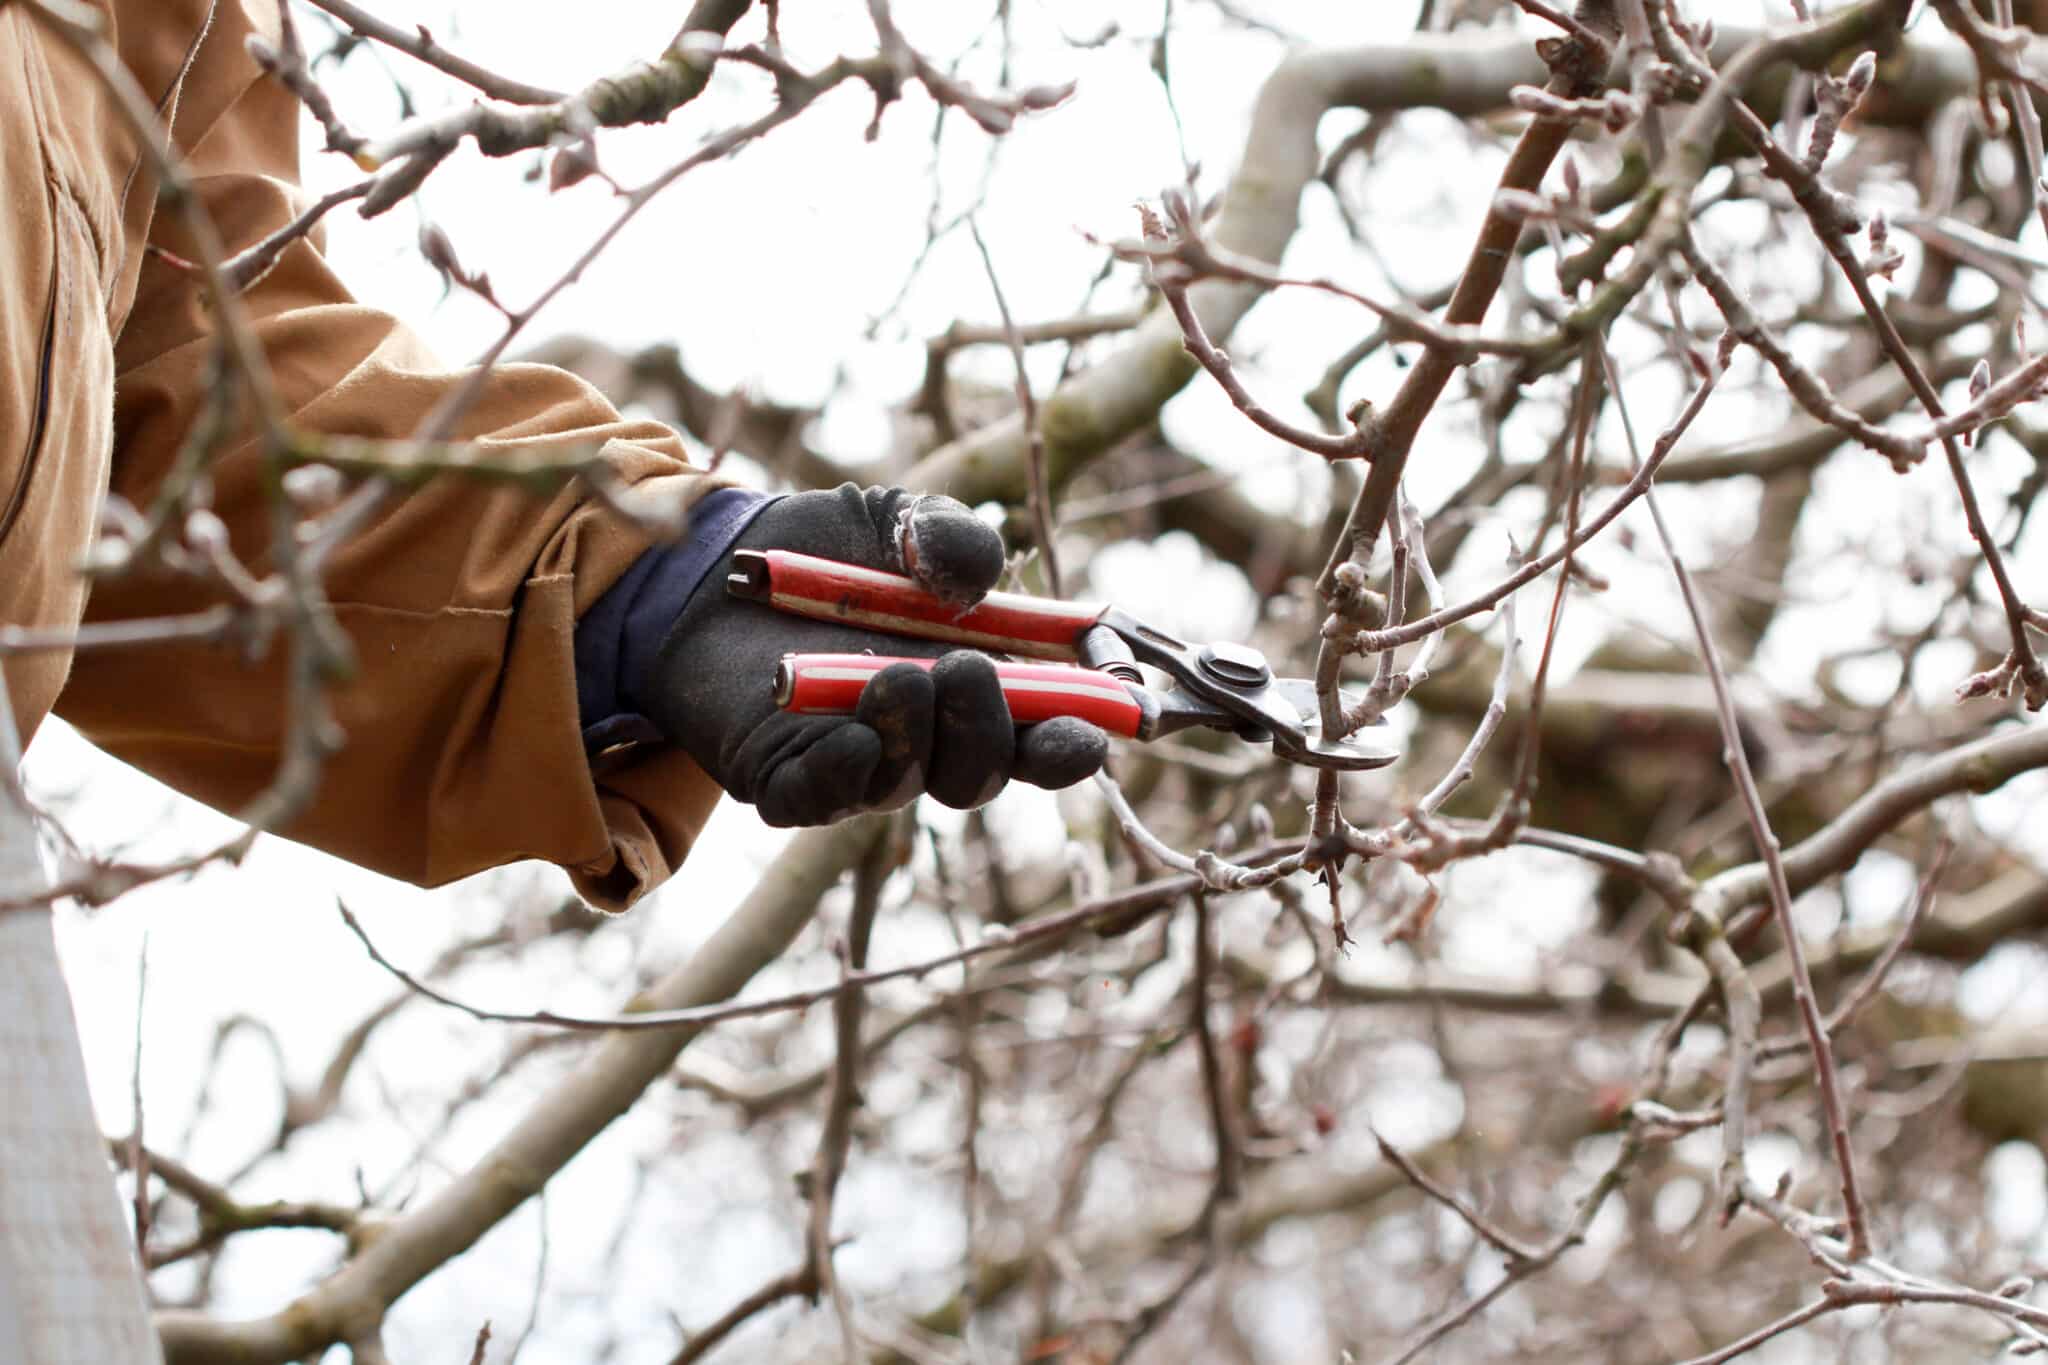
(558, 1127)
(1981, 767)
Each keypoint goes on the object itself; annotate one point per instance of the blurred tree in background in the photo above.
(1630, 402)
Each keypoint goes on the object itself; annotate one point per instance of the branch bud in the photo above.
(313, 488)
(438, 250)
(1532, 99)
(1621, 111)
(1040, 97)
(205, 531)
(1519, 206)
(1861, 73)
(571, 164)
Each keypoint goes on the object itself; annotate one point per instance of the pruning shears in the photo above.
(1070, 659)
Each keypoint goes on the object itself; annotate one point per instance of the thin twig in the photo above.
(1576, 69)
(1144, 899)
(1742, 1346)
(254, 261)
(1222, 1122)
(1829, 220)
(792, 1284)
(1553, 15)
(1503, 1242)
(1034, 434)
(1923, 905)
(1736, 756)
(138, 1154)
(1867, 986)
(422, 45)
(1523, 1268)
(835, 1135)
(1639, 483)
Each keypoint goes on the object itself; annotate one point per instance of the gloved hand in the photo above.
(948, 731)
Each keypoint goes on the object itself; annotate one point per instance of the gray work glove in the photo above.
(947, 731)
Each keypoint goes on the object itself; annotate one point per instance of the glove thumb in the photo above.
(947, 550)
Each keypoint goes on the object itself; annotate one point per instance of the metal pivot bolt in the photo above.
(1100, 647)
(1235, 665)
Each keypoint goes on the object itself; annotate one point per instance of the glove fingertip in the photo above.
(947, 550)
(974, 744)
(1060, 752)
(898, 704)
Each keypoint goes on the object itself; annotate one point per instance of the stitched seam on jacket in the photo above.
(37, 86)
(39, 419)
(426, 614)
(167, 113)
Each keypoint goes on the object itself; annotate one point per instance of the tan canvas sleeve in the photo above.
(463, 750)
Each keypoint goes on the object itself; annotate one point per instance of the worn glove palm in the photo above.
(947, 732)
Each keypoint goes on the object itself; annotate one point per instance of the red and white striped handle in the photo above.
(830, 685)
(827, 590)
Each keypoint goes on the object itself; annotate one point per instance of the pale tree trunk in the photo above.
(70, 1286)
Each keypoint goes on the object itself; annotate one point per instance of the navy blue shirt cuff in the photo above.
(617, 638)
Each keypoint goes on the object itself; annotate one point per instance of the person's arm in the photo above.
(499, 635)
(464, 748)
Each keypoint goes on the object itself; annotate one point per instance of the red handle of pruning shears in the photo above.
(1004, 622)
(1217, 686)
(1001, 622)
(830, 684)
